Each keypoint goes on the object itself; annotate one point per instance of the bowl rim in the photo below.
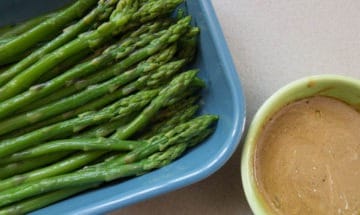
(291, 93)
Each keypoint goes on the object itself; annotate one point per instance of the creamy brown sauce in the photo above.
(307, 160)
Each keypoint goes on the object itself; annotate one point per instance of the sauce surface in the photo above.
(307, 160)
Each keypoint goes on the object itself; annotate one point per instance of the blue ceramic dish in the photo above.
(223, 96)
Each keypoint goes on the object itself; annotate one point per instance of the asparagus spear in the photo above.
(127, 107)
(173, 140)
(182, 133)
(167, 37)
(127, 11)
(175, 87)
(29, 164)
(51, 197)
(83, 144)
(37, 202)
(174, 113)
(174, 152)
(181, 115)
(105, 174)
(188, 44)
(71, 102)
(116, 51)
(120, 108)
(102, 11)
(69, 164)
(154, 80)
(53, 24)
(17, 29)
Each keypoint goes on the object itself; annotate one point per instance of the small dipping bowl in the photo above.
(343, 88)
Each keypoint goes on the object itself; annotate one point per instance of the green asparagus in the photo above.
(63, 129)
(37, 202)
(154, 80)
(175, 87)
(116, 51)
(167, 37)
(83, 144)
(29, 189)
(102, 11)
(184, 132)
(17, 29)
(127, 11)
(53, 24)
(29, 164)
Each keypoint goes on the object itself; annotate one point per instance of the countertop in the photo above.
(273, 42)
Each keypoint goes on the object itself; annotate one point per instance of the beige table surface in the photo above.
(272, 42)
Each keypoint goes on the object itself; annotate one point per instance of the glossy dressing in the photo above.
(307, 160)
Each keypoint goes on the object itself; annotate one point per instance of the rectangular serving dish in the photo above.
(223, 96)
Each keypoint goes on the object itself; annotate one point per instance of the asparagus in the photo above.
(188, 45)
(182, 115)
(154, 80)
(190, 133)
(51, 197)
(37, 202)
(5, 28)
(5, 40)
(53, 24)
(127, 106)
(116, 51)
(20, 28)
(105, 174)
(120, 108)
(83, 144)
(182, 133)
(100, 12)
(67, 165)
(175, 87)
(142, 38)
(172, 34)
(105, 129)
(175, 113)
(127, 11)
(64, 66)
(71, 102)
(29, 164)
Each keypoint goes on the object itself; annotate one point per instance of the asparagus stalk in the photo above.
(154, 80)
(182, 133)
(69, 164)
(182, 115)
(102, 11)
(188, 45)
(120, 108)
(174, 113)
(127, 107)
(173, 151)
(83, 144)
(29, 164)
(114, 52)
(127, 11)
(17, 29)
(105, 129)
(37, 202)
(51, 197)
(105, 174)
(53, 24)
(165, 38)
(175, 87)
(71, 102)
